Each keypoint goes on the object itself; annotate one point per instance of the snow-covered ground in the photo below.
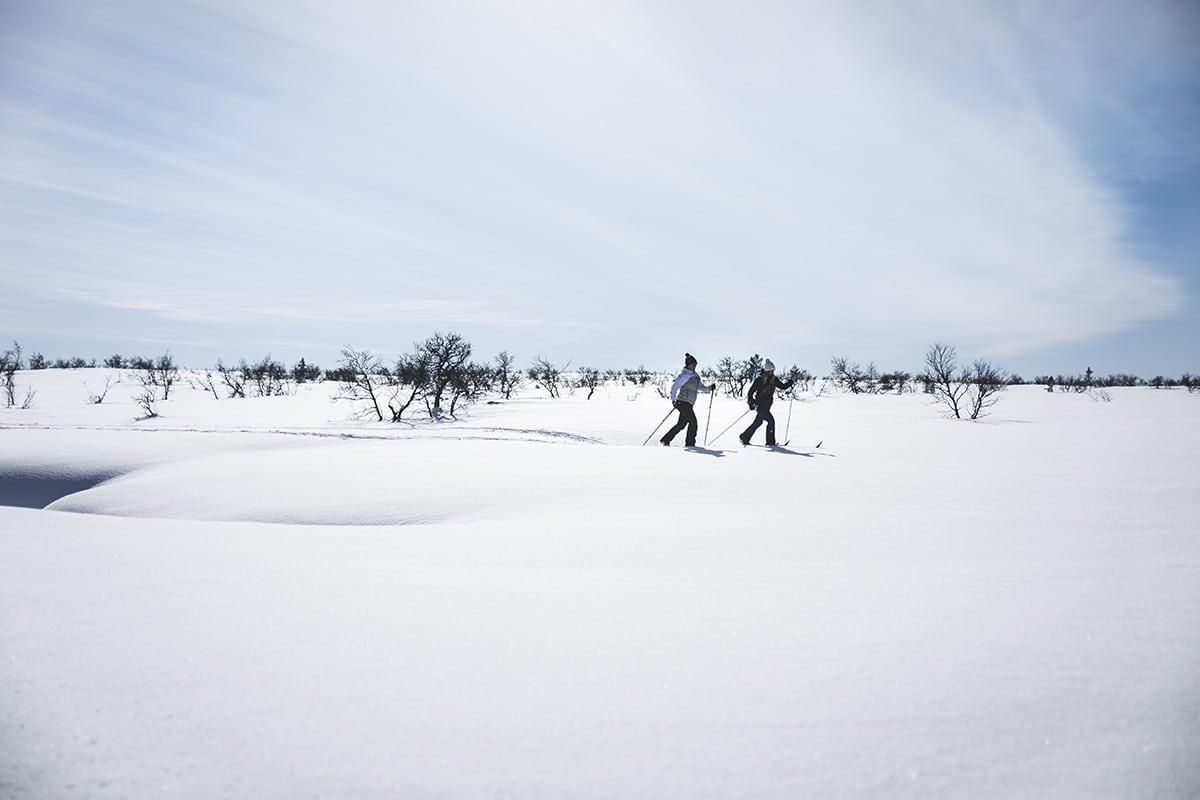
(266, 598)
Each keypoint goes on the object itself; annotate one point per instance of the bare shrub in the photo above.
(268, 378)
(407, 383)
(801, 380)
(898, 382)
(10, 364)
(852, 377)
(972, 391)
(208, 383)
(590, 378)
(987, 382)
(445, 357)
(96, 398)
(545, 375)
(507, 378)
(361, 381)
(726, 375)
(942, 377)
(158, 375)
(733, 377)
(147, 400)
(437, 372)
(639, 376)
(234, 378)
(74, 362)
(470, 383)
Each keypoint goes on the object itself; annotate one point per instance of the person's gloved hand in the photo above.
(674, 404)
(751, 404)
(712, 387)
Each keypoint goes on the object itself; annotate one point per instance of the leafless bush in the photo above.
(987, 382)
(147, 400)
(10, 364)
(800, 379)
(234, 378)
(854, 378)
(726, 376)
(96, 398)
(545, 375)
(208, 383)
(437, 372)
(638, 377)
(407, 383)
(590, 378)
(361, 381)
(973, 391)
(445, 356)
(470, 383)
(898, 382)
(64, 363)
(158, 375)
(269, 378)
(735, 376)
(507, 378)
(945, 382)
(266, 378)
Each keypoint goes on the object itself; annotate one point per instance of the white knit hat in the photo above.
(769, 366)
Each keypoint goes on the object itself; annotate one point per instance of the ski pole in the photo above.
(710, 399)
(789, 422)
(735, 422)
(659, 425)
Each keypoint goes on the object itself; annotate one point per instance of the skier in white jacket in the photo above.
(684, 392)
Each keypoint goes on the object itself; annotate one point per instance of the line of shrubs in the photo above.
(440, 373)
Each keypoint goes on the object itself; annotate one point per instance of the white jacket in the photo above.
(687, 387)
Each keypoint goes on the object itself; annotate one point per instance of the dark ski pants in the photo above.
(764, 415)
(687, 419)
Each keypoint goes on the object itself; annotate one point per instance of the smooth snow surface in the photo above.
(265, 598)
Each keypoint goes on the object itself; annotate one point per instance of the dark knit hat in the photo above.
(688, 358)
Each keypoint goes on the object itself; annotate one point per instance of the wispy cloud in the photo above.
(837, 174)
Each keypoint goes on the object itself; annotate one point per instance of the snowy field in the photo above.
(264, 598)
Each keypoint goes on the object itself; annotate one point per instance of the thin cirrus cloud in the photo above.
(870, 176)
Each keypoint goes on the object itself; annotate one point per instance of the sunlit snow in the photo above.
(268, 598)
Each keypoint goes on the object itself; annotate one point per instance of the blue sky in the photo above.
(608, 184)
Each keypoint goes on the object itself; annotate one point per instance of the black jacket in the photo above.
(762, 391)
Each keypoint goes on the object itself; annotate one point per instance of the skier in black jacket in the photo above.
(760, 397)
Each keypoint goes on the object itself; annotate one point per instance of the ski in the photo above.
(784, 444)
